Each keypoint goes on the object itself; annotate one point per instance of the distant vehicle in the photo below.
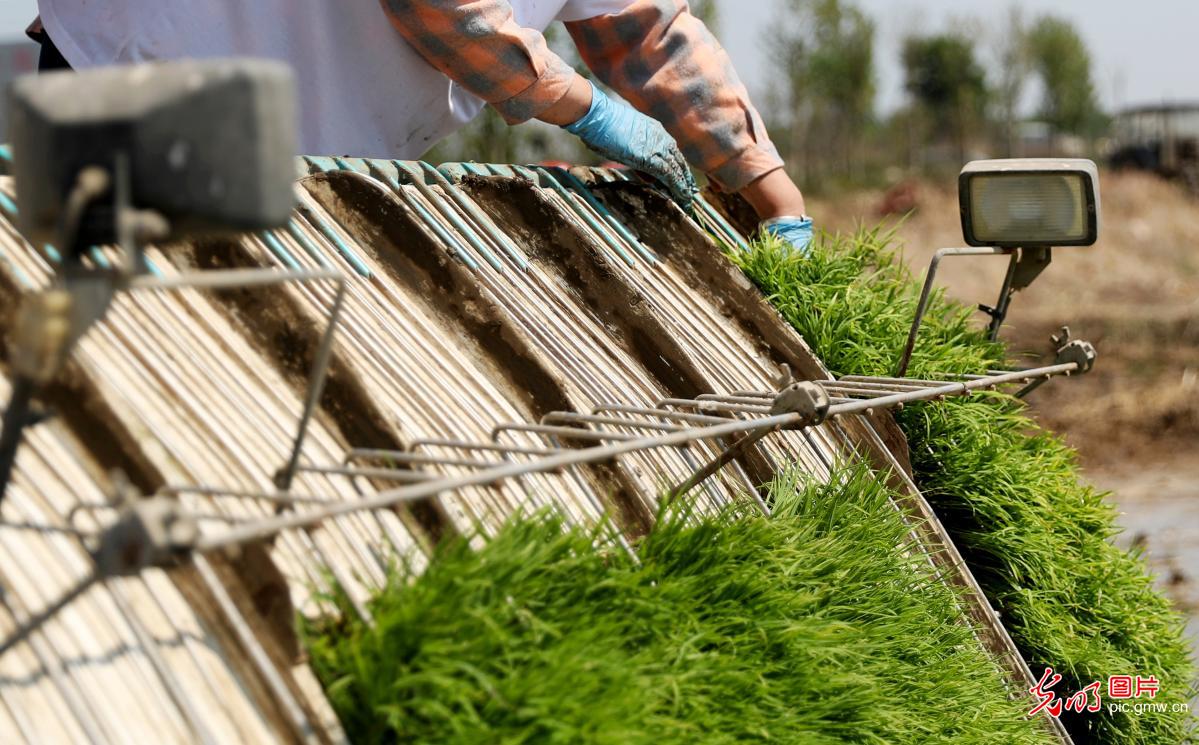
(1162, 139)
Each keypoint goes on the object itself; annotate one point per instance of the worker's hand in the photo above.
(619, 132)
(794, 230)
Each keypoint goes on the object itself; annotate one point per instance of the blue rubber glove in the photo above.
(619, 132)
(795, 230)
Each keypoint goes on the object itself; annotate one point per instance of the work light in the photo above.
(1021, 209)
(209, 145)
(1030, 203)
(136, 154)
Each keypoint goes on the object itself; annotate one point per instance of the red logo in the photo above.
(1088, 699)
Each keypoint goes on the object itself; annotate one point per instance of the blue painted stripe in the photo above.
(588, 219)
(320, 163)
(446, 211)
(279, 251)
(98, 256)
(153, 268)
(476, 213)
(330, 235)
(357, 165)
(456, 247)
(611, 219)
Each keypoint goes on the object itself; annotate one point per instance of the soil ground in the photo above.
(1135, 295)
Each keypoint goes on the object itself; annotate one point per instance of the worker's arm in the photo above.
(664, 61)
(479, 45)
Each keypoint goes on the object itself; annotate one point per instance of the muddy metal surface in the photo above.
(479, 306)
(440, 341)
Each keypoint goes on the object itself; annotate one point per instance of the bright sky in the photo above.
(1145, 51)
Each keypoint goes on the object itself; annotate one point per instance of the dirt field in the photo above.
(1135, 419)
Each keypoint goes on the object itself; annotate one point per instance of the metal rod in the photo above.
(906, 358)
(559, 460)
(302, 728)
(1028, 389)
(948, 389)
(720, 399)
(384, 474)
(689, 403)
(487, 447)
(734, 451)
(316, 386)
(679, 416)
(566, 417)
(402, 456)
(567, 433)
(1005, 299)
(896, 387)
(388, 499)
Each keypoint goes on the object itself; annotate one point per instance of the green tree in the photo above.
(1062, 62)
(826, 50)
(944, 77)
(1011, 54)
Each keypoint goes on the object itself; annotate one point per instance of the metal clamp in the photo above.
(1081, 353)
(809, 400)
(150, 532)
(1069, 351)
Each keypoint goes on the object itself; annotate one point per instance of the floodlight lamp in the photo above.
(209, 145)
(1030, 203)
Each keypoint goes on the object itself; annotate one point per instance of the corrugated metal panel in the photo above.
(478, 297)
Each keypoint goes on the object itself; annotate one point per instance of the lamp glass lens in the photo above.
(1033, 208)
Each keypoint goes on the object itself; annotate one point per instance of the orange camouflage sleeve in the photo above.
(665, 62)
(479, 45)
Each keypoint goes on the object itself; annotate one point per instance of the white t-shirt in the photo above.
(363, 91)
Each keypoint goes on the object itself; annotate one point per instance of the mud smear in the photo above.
(450, 293)
(558, 246)
(725, 287)
(249, 575)
(551, 239)
(283, 329)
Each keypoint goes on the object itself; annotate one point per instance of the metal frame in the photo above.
(245, 278)
(1024, 266)
(607, 431)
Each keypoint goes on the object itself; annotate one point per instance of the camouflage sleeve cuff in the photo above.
(549, 88)
(746, 167)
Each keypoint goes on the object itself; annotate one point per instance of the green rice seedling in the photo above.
(818, 625)
(1038, 539)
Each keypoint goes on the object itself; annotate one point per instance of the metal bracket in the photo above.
(1076, 351)
(1025, 266)
(150, 532)
(809, 400)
